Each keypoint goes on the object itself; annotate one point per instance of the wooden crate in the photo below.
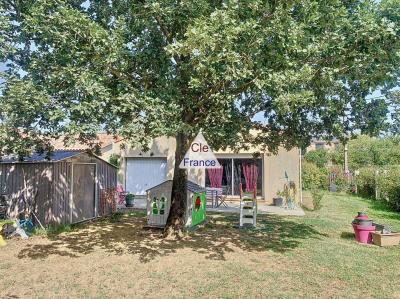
(386, 239)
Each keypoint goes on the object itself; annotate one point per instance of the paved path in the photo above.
(233, 207)
(261, 209)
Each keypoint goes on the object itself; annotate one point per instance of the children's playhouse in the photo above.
(159, 203)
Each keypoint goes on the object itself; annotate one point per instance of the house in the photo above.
(317, 144)
(139, 170)
(69, 187)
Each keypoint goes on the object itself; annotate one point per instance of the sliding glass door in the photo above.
(236, 170)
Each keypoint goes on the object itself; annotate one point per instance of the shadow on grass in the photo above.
(347, 235)
(214, 240)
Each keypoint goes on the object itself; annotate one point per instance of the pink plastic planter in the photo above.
(364, 233)
(356, 234)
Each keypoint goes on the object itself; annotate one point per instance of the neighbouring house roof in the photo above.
(334, 140)
(191, 186)
(103, 139)
(36, 157)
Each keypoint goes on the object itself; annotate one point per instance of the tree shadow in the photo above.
(347, 235)
(213, 240)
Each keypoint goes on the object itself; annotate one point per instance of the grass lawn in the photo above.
(285, 257)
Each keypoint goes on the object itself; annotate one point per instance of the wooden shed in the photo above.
(66, 188)
(159, 203)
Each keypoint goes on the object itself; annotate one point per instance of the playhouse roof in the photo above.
(194, 187)
(191, 186)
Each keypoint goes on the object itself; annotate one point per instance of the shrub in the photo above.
(115, 160)
(317, 196)
(388, 183)
(314, 177)
(365, 181)
(318, 157)
(340, 180)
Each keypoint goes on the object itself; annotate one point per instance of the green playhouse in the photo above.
(159, 202)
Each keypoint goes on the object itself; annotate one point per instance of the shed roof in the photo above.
(36, 157)
(56, 156)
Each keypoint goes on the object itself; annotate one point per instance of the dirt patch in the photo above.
(122, 259)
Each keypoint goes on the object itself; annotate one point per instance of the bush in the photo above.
(388, 184)
(317, 196)
(339, 178)
(318, 157)
(314, 177)
(365, 181)
(115, 160)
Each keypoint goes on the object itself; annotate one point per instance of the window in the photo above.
(232, 179)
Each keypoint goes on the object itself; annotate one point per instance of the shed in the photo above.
(66, 188)
(159, 203)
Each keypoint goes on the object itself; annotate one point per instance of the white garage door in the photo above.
(144, 173)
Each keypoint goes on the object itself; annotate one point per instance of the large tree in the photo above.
(290, 70)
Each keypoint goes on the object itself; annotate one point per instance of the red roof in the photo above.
(103, 139)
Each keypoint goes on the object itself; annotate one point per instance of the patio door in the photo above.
(233, 174)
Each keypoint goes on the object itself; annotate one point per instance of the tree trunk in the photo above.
(176, 218)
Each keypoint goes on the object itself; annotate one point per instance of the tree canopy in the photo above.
(366, 151)
(142, 69)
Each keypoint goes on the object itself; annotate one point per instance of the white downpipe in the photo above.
(300, 176)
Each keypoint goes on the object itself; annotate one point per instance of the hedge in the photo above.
(365, 181)
(387, 181)
(314, 177)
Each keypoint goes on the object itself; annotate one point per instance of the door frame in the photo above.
(143, 158)
(71, 195)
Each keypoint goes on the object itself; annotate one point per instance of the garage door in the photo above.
(144, 173)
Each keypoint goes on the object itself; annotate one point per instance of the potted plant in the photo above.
(129, 198)
(278, 200)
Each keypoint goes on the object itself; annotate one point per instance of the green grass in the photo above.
(337, 257)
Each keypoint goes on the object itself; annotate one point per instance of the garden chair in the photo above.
(222, 197)
(217, 196)
(211, 196)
